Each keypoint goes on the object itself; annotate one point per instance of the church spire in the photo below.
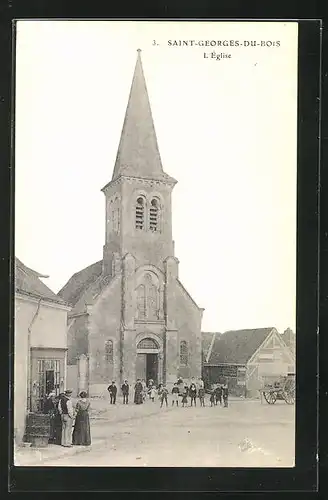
(138, 153)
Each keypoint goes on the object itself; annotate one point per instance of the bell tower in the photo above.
(138, 197)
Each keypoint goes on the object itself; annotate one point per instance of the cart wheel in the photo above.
(270, 397)
(290, 397)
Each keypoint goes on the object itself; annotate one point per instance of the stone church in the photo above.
(132, 317)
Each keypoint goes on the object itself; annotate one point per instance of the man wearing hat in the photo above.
(66, 412)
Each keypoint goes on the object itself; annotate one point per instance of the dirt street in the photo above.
(246, 434)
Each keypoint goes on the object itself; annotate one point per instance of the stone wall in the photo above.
(105, 324)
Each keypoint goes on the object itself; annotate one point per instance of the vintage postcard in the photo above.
(155, 243)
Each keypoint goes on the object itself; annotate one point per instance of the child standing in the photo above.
(185, 396)
(201, 395)
(192, 394)
(164, 396)
(218, 394)
(212, 397)
(225, 394)
(175, 395)
(152, 393)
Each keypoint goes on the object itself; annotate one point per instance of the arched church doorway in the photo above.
(147, 360)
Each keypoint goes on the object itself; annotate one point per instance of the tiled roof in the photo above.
(79, 282)
(28, 282)
(237, 346)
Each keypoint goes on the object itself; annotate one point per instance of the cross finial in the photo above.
(139, 50)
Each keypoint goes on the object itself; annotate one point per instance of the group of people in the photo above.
(69, 425)
(181, 391)
(219, 395)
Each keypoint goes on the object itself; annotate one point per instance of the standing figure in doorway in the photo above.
(51, 409)
(192, 393)
(81, 432)
(66, 411)
(125, 392)
(112, 389)
(138, 393)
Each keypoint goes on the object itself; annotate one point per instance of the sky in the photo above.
(226, 129)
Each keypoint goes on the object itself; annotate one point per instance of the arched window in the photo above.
(141, 301)
(183, 353)
(109, 353)
(140, 213)
(153, 215)
(147, 295)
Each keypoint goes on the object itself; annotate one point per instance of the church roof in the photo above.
(237, 346)
(79, 282)
(27, 281)
(138, 154)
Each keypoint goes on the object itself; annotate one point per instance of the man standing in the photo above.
(112, 389)
(66, 412)
(125, 392)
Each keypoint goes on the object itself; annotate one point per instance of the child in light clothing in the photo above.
(152, 394)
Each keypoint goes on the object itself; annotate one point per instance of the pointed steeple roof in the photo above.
(138, 153)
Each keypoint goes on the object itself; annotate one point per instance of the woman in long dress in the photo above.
(81, 433)
(138, 389)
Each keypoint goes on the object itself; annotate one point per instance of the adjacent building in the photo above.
(246, 358)
(40, 340)
(131, 315)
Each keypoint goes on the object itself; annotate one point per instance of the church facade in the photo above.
(131, 316)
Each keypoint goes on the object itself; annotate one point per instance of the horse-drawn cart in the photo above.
(282, 389)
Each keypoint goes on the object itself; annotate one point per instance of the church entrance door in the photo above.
(147, 367)
(147, 360)
(152, 368)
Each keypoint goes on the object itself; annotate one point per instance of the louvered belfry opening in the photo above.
(153, 215)
(140, 213)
